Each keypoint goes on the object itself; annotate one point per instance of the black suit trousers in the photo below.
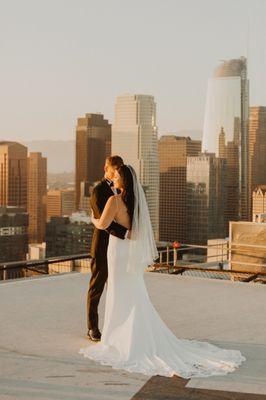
(99, 274)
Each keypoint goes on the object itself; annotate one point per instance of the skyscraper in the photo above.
(37, 188)
(60, 203)
(93, 145)
(257, 148)
(206, 194)
(85, 193)
(134, 138)
(259, 200)
(68, 201)
(13, 174)
(64, 237)
(53, 204)
(230, 153)
(227, 107)
(173, 153)
(13, 234)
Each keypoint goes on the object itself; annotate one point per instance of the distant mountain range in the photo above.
(60, 153)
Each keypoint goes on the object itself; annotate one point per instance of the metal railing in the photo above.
(219, 266)
(167, 262)
(25, 268)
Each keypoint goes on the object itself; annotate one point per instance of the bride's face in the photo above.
(118, 183)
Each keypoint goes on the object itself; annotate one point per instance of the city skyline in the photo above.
(134, 129)
(50, 76)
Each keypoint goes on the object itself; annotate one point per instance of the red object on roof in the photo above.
(176, 245)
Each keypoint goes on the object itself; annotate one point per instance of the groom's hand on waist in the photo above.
(117, 230)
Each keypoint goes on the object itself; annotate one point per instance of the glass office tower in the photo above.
(226, 113)
(134, 138)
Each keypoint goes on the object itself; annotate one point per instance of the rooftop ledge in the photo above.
(43, 325)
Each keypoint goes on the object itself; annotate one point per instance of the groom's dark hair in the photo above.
(115, 161)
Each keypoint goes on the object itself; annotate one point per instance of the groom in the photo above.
(101, 193)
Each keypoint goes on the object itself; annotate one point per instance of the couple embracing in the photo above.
(134, 337)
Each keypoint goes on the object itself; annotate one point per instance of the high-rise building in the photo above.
(60, 203)
(229, 152)
(257, 148)
(13, 174)
(53, 204)
(13, 234)
(37, 188)
(173, 153)
(227, 108)
(259, 200)
(85, 193)
(134, 138)
(206, 194)
(68, 201)
(64, 237)
(93, 145)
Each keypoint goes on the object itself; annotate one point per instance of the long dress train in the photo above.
(135, 338)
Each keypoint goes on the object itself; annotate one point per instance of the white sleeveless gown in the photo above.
(134, 337)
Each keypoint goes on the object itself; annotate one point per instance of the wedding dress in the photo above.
(134, 337)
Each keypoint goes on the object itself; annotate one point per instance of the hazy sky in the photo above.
(63, 58)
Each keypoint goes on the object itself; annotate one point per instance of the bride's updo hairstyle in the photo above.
(128, 192)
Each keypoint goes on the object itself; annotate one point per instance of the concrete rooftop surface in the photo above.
(43, 325)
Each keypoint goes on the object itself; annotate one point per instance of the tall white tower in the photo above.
(227, 109)
(134, 138)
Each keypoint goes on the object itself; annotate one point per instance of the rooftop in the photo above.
(43, 325)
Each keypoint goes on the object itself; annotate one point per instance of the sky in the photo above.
(63, 58)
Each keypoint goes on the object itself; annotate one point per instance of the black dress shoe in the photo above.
(94, 335)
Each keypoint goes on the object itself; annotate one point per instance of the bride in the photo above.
(134, 337)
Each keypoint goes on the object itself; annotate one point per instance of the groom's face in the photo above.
(109, 171)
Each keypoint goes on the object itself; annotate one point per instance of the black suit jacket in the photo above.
(100, 194)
